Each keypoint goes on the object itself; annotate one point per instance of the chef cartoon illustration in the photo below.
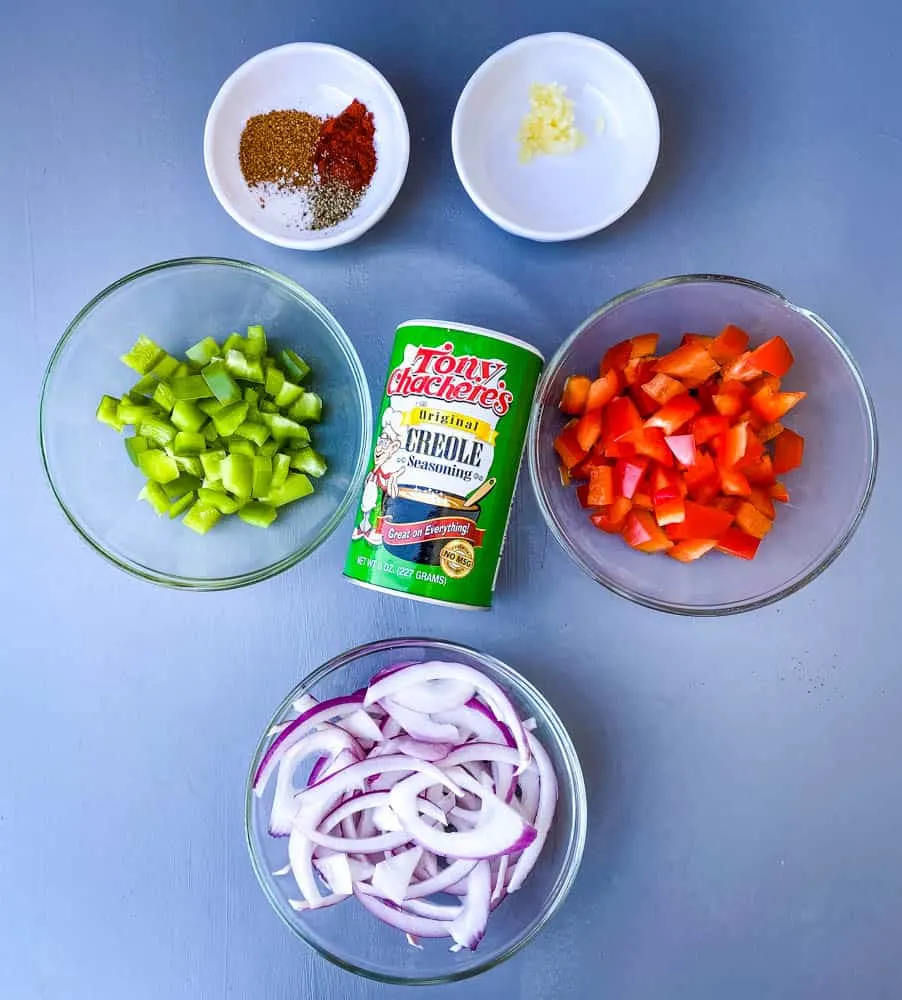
(389, 462)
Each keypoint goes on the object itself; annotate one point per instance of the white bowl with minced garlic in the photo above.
(555, 136)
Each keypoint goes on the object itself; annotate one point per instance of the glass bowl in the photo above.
(348, 935)
(176, 303)
(829, 493)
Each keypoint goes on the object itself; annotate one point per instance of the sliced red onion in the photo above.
(304, 702)
(302, 906)
(359, 867)
(455, 872)
(391, 877)
(416, 907)
(390, 728)
(441, 694)
(528, 802)
(468, 928)
(420, 726)
(333, 708)
(502, 830)
(421, 927)
(544, 814)
(491, 693)
(336, 870)
(501, 877)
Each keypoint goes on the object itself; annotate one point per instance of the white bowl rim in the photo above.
(528, 232)
(365, 222)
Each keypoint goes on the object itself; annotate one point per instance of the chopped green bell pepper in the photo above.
(255, 345)
(262, 476)
(158, 466)
(269, 448)
(229, 419)
(274, 381)
(260, 515)
(108, 413)
(201, 518)
(203, 351)
(134, 446)
(133, 413)
(212, 462)
(284, 429)
(155, 495)
(165, 367)
(240, 446)
(143, 355)
(183, 503)
(281, 463)
(258, 433)
(157, 429)
(288, 394)
(308, 407)
(190, 387)
(145, 386)
(237, 472)
(296, 367)
(296, 487)
(189, 443)
(218, 499)
(309, 461)
(243, 367)
(187, 416)
(163, 396)
(224, 387)
(183, 484)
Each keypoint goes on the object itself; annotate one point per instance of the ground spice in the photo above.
(331, 204)
(345, 151)
(278, 148)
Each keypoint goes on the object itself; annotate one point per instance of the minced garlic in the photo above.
(550, 125)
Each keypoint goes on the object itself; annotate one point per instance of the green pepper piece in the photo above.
(165, 367)
(260, 515)
(190, 387)
(189, 464)
(158, 466)
(183, 371)
(181, 485)
(267, 406)
(155, 495)
(281, 463)
(145, 386)
(268, 448)
(258, 433)
(210, 406)
(308, 407)
(187, 416)
(262, 476)
(183, 503)
(230, 419)
(189, 443)
(309, 461)
(234, 342)
(274, 381)
(203, 351)
(284, 428)
(287, 394)
(216, 498)
(108, 413)
(201, 518)
(134, 446)
(143, 355)
(240, 446)
(238, 475)
(163, 396)
(296, 487)
(251, 397)
(133, 413)
(224, 387)
(256, 341)
(157, 429)
(243, 367)
(211, 434)
(296, 367)
(211, 461)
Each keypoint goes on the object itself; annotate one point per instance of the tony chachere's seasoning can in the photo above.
(448, 442)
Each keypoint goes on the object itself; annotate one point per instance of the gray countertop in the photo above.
(745, 808)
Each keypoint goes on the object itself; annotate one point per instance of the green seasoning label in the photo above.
(448, 443)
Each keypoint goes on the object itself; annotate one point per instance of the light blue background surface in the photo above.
(746, 807)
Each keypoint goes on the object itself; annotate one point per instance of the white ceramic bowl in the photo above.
(323, 80)
(563, 197)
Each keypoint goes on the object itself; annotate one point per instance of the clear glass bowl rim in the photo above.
(360, 384)
(753, 603)
(573, 779)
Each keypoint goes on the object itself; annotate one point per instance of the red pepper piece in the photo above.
(612, 519)
(628, 474)
(603, 390)
(729, 344)
(763, 501)
(691, 549)
(576, 392)
(643, 500)
(779, 492)
(690, 362)
(773, 357)
(588, 430)
(701, 521)
(742, 368)
(582, 494)
(772, 405)
(735, 444)
(752, 521)
(696, 338)
(601, 486)
(644, 344)
(642, 532)
(662, 388)
(638, 370)
(618, 449)
(764, 380)
(671, 417)
(788, 452)
(650, 441)
(707, 426)
(622, 417)
(769, 432)
(702, 475)
(735, 542)
(728, 405)
(617, 357)
(734, 483)
(567, 446)
(683, 448)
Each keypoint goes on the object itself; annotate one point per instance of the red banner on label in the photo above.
(438, 529)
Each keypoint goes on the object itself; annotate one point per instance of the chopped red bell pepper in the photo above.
(601, 486)
(603, 390)
(773, 357)
(638, 370)
(779, 492)
(683, 448)
(789, 450)
(729, 344)
(773, 381)
(576, 392)
(622, 417)
(582, 494)
(760, 472)
(618, 449)
(691, 549)
(752, 521)
(772, 405)
(696, 338)
(671, 417)
(728, 405)
(742, 369)
(690, 362)
(588, 430)
(628, 474)
(707, 426)
(735, 444)
(735, 542)
(701, 521)
(649, 441)
(662, 388)
(763, 501)
(768, 432)
(617, 357)
(643, 500)
(642, 532)
(644, 344)
(612, 519)
(734, 483)
(567, 446)
(702, 475)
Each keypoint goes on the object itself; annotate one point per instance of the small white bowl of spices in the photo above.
(555, 136)
(306, 146)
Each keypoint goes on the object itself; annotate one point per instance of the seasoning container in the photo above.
(448, 443)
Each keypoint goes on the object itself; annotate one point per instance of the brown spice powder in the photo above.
(278, 148)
